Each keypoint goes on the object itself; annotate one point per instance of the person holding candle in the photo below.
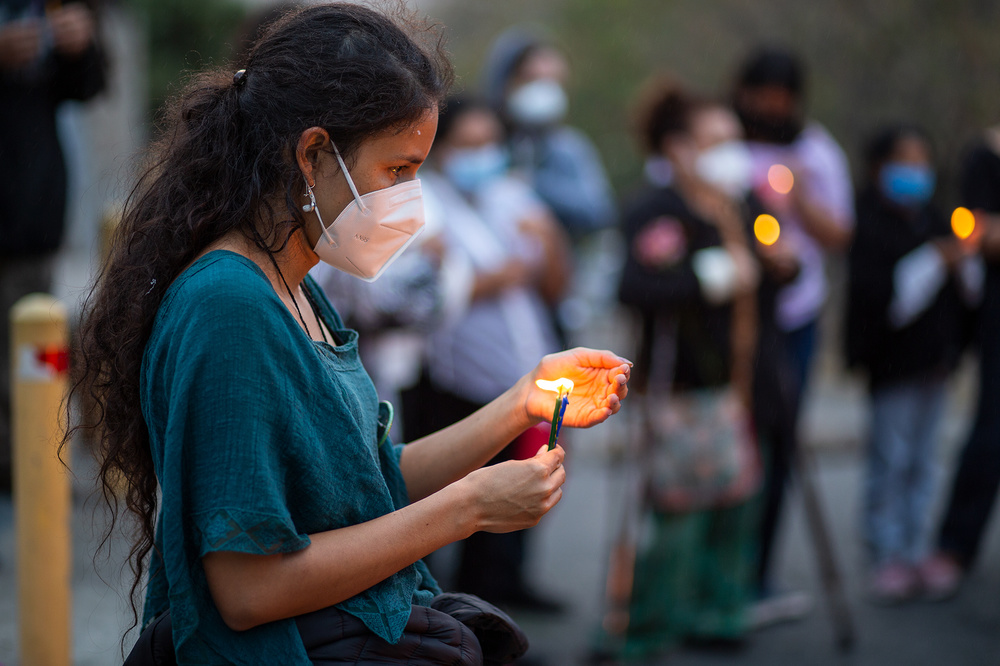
(977, 474)
(690, 276)
(809, 191)
(908, 275)
(280, 522)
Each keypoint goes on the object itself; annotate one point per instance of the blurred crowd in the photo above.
(722, 278)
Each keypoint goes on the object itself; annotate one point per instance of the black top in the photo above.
(980, 187)
(670, 292)
(929, 345)
(32, 171)
(981, 179)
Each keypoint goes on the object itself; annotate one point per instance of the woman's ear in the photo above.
(311, 142)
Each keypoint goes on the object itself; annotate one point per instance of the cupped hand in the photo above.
(19, 44)
(514, 495)
(72, 28)
(600, 383)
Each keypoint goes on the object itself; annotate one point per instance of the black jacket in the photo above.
(980, 189)
(32, 170)
(932, 343)
(671, 292)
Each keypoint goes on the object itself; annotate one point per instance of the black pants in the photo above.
(977, 477)
(490, 565)
(777, 397)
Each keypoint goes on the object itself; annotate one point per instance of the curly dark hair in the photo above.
(225, 153)
(663, 109)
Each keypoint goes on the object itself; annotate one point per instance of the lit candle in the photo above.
(766, 229)
(963, 222)
(562, 388)
(780, 178)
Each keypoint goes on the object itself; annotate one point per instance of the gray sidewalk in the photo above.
(570, 554)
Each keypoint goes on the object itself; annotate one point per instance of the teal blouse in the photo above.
(260, 436)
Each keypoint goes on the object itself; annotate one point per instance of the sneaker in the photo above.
(940, 576)
(893, 583)
(778, 608)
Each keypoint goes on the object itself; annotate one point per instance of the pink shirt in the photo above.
(820, 167)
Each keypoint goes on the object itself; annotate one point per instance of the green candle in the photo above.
(562, 387)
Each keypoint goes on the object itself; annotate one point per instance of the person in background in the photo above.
(524, 80)
(49, 53)
(520, 262)
(977, 476)
(693, 578)
(908, 275)
(816, 217)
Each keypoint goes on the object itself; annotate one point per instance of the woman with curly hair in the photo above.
(277, 522)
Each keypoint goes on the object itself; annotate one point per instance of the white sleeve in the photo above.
(971, 278)
(916, 280)
(716, 271)
(457, 279)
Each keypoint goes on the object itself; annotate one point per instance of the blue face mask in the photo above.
(907, 185)
(471, 168)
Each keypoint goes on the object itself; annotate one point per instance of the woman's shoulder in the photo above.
(221, 288)
(220, 278)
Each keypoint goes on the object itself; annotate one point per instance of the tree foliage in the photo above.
(185, 35)
(932, 62)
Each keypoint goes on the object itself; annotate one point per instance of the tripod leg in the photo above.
(833, 586)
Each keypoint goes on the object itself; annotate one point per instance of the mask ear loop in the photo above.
(350, 182)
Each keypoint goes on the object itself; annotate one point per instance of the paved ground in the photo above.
(571, 550)
(569, 561)
(568, 556)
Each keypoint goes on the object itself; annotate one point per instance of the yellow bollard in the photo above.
(42, 498)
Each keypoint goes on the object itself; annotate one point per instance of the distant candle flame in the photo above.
(780, 178)
(767, 229)
(561, 384)
(963, 222)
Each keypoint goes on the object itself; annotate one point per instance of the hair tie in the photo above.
(240, 78)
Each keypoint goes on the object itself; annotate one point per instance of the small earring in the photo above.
(311, 206)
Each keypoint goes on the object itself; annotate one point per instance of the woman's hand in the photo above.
(19, 43)
(600, 383)
(514, 495)
(72, 28)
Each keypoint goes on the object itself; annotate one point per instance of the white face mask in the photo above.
(373, 229)
(727, 166)
(541, 102)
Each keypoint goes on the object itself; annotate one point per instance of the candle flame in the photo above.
(963, 222)
(780, 178)
(767, 229)
(556, 386)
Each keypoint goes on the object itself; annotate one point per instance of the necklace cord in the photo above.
(260, 243)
